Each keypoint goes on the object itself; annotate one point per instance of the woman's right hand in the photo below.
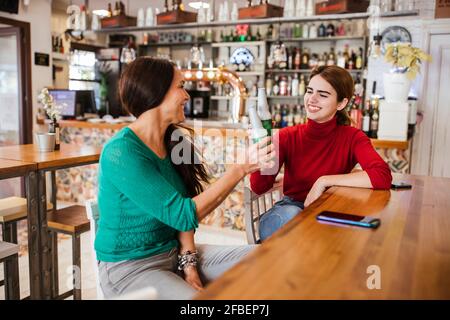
(259, 156)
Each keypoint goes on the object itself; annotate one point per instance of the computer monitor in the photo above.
(85, 101)
(66, 99)
(75, 102)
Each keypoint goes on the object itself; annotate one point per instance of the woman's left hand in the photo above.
(316, 191)
(191, 276)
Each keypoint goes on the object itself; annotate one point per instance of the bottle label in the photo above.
(57, 136)
(366, 124)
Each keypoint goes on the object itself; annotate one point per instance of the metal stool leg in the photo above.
(12, 288)
(9, 230)
(54, 263)
(76, 261)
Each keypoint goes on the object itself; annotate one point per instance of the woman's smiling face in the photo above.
(321, 100)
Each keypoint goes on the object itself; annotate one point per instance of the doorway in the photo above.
(15, 92)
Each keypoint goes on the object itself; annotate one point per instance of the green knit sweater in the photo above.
(142, 201)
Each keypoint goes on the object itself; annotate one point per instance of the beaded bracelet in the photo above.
(187, 259)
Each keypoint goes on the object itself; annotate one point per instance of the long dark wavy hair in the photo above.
(342, 82)
(143, 86)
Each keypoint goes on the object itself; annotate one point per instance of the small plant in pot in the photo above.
(54, 113)
(406, 61)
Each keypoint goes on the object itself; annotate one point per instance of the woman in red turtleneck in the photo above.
(321, 153)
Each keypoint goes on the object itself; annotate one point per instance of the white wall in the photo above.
(38, 14)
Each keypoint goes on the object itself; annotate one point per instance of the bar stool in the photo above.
(72, 221)
(9, 255)
(12, 210)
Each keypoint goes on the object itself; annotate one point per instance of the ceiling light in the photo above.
(198, 4)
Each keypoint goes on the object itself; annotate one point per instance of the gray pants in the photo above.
(160, 272)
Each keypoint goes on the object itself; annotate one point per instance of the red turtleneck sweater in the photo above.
(312, 150)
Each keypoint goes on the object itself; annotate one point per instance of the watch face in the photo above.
(394, 34)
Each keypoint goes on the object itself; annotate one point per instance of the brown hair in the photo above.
(143, 86)
(342, 82)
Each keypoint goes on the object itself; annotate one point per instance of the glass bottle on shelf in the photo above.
(330, 30)
(340, 60)
(305, 59)
(331, 58)
(269, 35)
(276, 87)
(269, 84)
(290, 116)
(295, 86)
(366, 119)
(313, 31)
(322, 32)
(297, 59)
(302, 86)
(374, 118)
(358, 63)
(305, 31)
(283, 86)
(297, 115)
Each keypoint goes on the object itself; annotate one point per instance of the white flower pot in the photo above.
(396, 87)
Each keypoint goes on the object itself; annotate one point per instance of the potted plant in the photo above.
(54, 113)
(406, 61)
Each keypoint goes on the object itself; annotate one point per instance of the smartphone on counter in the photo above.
(400, 185)
(351, 219)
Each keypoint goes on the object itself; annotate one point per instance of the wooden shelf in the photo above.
(249, 73)
(238, 44)
(285, 97)
(304, 70)
(319, 39)
(60, 56)
(176, 44)
(195, 25)
(229, 98)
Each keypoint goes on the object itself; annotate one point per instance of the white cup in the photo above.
(46, 142)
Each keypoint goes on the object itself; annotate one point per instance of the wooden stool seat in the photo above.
(15, 208)
(9, 255)
(8, 249)
(71, 220)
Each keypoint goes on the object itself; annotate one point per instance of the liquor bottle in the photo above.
(263, 111)
(358, 63)
(61, 46)
(283, 86)
(374, 118)
(53, 127)
(366, 119)
(297, 59)
(116, 11)
(276, 87)
(290, 116)
(305, 59)
(290, 54)
(258, 35)
(346, 56)
(305, 31)
(258, 131)
(269, 34)
(313, 31)
(295, 86)
(330, 30)
(340, 60)
(322, 32)
(283, 117)
(302, 86)
(110, 12)
(297, 115)
(277, 116)
(322, 60)
(331, 58)
(298, 30)
(269, 84)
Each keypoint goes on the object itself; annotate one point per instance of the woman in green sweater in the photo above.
(151, 197)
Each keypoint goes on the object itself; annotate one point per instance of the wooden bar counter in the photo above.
(407, 257)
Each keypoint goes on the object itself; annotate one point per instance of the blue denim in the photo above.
(277, 216)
